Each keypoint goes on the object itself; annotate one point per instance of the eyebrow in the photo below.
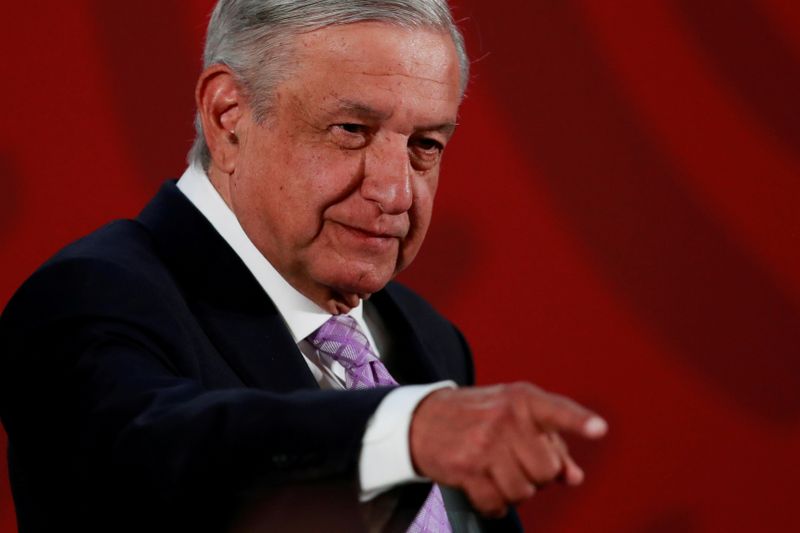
(363, 110)
(366, 112)
(447, 128)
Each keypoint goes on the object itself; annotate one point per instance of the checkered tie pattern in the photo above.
(341, 339)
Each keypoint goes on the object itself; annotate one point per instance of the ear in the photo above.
(221, 104)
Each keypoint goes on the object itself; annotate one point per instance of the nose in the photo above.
(387, 175)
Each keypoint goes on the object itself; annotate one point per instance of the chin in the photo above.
(361, 281)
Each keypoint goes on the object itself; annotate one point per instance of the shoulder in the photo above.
(113, 273)
(110, 259)
(121, 248)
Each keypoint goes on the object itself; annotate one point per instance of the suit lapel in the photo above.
(413, 361)
(239, 318)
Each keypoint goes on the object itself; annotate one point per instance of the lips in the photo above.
(391, 233)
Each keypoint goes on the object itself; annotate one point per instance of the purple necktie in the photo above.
(342, 340)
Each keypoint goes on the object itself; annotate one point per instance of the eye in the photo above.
(428, 145)
(352, 128)
(350, 135)
(425, 152)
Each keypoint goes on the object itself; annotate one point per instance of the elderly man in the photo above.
(244, 330)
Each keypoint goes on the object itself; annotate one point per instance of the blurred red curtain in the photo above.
(621, 200)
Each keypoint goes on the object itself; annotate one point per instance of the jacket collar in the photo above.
(239, 318)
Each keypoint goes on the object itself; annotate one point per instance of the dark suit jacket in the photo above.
(147, 380)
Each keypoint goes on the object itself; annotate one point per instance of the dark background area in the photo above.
(617, 221)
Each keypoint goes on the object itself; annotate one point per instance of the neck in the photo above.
(221, 182)
(328, 299)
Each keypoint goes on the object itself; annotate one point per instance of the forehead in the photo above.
(383, 65)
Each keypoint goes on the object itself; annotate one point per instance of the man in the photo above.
(238, 333)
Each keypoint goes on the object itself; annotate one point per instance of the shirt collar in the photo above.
(301, 315)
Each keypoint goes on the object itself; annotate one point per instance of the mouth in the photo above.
(368, 238)
(371, 234)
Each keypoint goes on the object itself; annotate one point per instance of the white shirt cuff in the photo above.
(385, 459)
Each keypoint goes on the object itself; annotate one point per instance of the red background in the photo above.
(621, 203)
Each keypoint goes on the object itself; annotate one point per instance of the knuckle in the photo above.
(502, 407)
(529, 389)
(519, 393)
(520, 492)
(548, 470)
(518, 388)
(465, 462)
(544, 464)
(525, 387)
(553, 469)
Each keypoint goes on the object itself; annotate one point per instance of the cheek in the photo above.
(424, 189)
(421, 211)
(324, 168)
(322, 181)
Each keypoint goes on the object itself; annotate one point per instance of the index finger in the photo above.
(553, 412)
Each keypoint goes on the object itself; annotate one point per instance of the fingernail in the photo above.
(595, 427)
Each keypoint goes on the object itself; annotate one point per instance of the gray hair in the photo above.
(253, 37)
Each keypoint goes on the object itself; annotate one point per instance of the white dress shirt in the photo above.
(385, 459)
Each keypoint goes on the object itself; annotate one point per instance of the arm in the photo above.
(99, 387)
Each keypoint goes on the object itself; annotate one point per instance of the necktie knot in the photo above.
(342, 340)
